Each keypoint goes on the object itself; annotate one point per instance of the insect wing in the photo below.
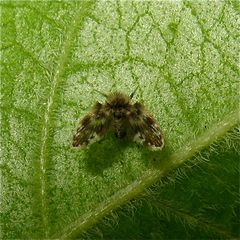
(147, 132)
(92, 128)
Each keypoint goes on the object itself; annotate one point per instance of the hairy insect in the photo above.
(123, 118)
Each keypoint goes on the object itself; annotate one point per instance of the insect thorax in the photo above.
(119, 128)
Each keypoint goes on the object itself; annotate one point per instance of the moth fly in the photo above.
(124, 118)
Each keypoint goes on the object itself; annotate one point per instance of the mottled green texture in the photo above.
(54, 55)
(198, 201)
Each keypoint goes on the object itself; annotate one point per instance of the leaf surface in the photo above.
(57, 56)
(198, 201)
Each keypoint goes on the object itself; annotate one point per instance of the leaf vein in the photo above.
(49, 112)
(150, 177)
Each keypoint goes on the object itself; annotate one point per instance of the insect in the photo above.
(124, 118)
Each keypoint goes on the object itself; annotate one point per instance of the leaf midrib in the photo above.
(57, 79)
(150, 177)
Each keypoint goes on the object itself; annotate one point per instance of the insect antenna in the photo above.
(132, 94)
(103, 94)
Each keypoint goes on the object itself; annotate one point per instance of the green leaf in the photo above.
(55, 59)
(198, 201)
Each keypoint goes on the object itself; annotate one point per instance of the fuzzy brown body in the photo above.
(124, 118)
